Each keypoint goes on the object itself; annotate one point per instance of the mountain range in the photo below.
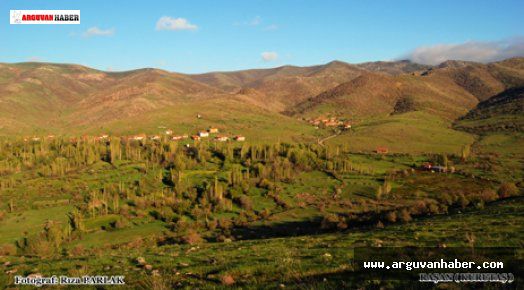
(48, 98)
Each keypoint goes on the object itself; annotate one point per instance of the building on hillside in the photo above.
(381, 150)
(202, 134)
(347, 126)
(176, 138)
(240, 138)
(195, 137)
(221, 138)
(332, 123)
(139, 137)
(213, 130)
(426, 166)
(169, 132)
(155, 137)
(35, 139)
(199, 116)
(50, 136)
(101, 137)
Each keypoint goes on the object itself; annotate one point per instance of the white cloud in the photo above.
(170, 23)
(255, 21)
(271, 27)
(269, 56)
(470, 51)
(95, 31)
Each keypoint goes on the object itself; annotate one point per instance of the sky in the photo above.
(223, 35)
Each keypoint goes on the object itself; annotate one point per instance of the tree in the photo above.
(76, 221)
(465, 151)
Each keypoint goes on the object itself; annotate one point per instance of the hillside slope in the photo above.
(449, 90)
(40, 98)
(500, 113)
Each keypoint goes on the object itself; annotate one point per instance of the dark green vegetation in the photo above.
(249, 214)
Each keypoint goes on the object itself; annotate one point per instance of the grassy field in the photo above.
(415, 132)
(252, 214)
(315, 261)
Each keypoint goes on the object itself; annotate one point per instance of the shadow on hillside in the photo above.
(283, 229)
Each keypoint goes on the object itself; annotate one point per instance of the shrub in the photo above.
(508, 189)
(76, 251)
(7, 250)
(245, 202)
(329, 221)
(404, 216)
(488, 195)
(191, 237)
(391, 216)
(227, 280)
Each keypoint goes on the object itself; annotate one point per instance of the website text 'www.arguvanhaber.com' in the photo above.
(448, 277)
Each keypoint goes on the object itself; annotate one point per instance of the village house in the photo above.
(138, 137)
(101, 137)
(332, 123)
(240, 138)
(347, 126)
(155, 137)
(195, 137)
(221, 138)
(179, 137)
(35, 139)
(202, 134)
(169, 132)
(213, 130)
(381, 150)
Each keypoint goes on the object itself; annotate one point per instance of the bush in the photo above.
(227, 280)
(329, 222)
(404, 216)
(508, 189)
(245, 202)
(76, 251)
(192, 237)
(120, 223)
(488, 195)
(7, 250)
(391, 217)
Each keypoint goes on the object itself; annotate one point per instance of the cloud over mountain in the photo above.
(470, 51)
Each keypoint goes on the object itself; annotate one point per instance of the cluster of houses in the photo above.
(167, 133)
(219, 138)
(329, 122)
(196, 137)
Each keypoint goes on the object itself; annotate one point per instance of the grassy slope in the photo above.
(292, 261)
(408, 133)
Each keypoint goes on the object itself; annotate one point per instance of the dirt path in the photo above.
(321, 141)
